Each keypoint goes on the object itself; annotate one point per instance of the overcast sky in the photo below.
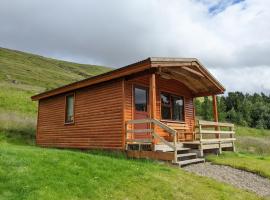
(230, 37)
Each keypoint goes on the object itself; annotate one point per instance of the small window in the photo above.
(172, 107)
(69, 109)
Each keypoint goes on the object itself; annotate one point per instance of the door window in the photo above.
(141, 99)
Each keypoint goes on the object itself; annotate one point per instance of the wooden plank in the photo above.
(139, 121)
(193, 71)
(216, 132)
(140, 131)
(208, 123)
(167, 156)
(139, 141)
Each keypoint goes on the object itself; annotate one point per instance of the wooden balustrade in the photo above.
(216, 129)
(215, 132)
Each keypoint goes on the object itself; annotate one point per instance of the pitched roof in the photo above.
(187, 70)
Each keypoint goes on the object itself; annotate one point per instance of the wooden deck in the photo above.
(210, 136)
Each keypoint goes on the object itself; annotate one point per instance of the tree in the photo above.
(207, 109)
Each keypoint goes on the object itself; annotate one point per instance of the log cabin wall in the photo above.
(163, 85)
(98, 114)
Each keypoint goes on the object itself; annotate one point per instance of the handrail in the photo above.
(154, 134)
(164, 126)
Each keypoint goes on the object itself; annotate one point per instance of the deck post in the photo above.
(215, 112)
(153, 101)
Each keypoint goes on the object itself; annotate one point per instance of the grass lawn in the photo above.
(249, 162)
(28, 172)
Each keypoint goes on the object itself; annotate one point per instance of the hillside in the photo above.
(20, 68)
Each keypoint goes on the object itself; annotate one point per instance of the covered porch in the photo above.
(184, 139)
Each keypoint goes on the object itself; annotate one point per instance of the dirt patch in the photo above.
(238, 178)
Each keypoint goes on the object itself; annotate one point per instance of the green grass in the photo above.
(14, 99)
(253, 132)
(17, 128)
(18, 67)
(249, 162)
(253, 141)
(34, 173)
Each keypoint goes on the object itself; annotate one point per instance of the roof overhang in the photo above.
(189, 71)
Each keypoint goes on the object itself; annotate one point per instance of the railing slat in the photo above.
(139, 121)
(140, 131)
(221, 124)
(216, 132)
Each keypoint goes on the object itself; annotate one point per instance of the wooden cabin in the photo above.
(146, 108)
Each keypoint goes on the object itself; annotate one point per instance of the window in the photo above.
(141, 99)
(166, 106)
(172, 107)
(69, 109)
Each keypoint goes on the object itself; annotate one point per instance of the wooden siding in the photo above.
(163, 85)
(98, 119)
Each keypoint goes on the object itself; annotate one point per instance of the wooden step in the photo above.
(183, 149)
(185, 155)
(191, 161)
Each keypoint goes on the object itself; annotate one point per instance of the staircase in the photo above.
(184, 155)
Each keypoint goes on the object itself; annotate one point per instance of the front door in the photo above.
(141, 110)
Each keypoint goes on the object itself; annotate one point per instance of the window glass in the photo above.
(166, 112)
(69, 108)
(177, 111)
(140, 99)
(165, 99)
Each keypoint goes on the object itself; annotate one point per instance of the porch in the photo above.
(208, 136)
(160, 113)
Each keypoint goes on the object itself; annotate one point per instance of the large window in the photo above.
(172, 107)
(69, 118)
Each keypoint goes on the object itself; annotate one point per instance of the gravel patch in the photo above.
(238, 178)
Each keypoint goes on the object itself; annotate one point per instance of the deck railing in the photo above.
(215, 130)
(215, 133)
(152, 123)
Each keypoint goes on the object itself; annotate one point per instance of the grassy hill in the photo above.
(20, 68)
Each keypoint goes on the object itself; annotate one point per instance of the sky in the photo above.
(230, 37)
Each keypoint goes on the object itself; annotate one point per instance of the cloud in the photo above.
(229, 36)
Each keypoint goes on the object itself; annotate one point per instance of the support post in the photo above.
(215, 112)
(153, 101)
(215, 109)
